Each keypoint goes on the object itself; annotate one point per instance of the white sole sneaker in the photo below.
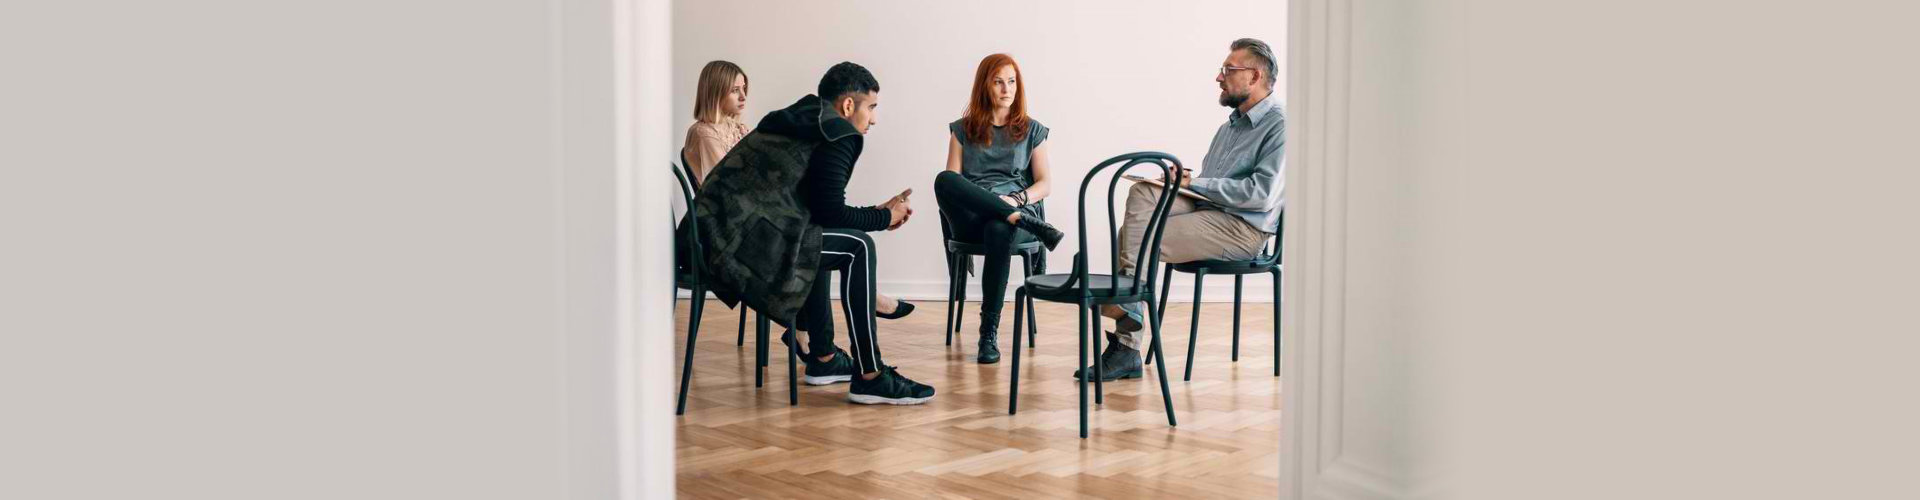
(877, 400)
(827, 380)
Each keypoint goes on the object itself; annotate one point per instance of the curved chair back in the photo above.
(686, 167)
(691, 243)
(1148, 257)
(1272, 256)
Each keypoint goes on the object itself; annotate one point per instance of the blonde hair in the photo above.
(715, 81)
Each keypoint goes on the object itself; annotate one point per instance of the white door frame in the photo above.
(643, 53)
(1314, 461)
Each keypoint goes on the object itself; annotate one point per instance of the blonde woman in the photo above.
(719, 98)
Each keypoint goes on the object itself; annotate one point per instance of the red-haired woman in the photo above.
(996, 175)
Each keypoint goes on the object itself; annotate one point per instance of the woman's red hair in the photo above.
(978, 122)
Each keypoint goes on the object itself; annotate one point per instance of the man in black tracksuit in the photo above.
(839, 115)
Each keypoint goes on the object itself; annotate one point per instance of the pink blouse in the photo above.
(708, 142)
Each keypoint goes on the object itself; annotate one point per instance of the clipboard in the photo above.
(1157, 182)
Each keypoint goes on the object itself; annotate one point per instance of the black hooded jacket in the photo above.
(763, 206)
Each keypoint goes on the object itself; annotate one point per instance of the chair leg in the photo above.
(1099, 362)
(1165, 283)
(1013, 388)
(1032, 325)
(693, 334)
(1193, 332)
(741, 338)
(1276, 322)
(760, 354)
(1026, 271)
(953, 291)
(1166, 395)
(1236, 318)
(960, 290)
(793, 375)
(1083, 366)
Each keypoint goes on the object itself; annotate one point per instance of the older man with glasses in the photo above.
(1242, 178)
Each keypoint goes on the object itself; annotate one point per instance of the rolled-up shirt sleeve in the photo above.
(1255, 191)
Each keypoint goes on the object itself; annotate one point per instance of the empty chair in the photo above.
(1088, 290)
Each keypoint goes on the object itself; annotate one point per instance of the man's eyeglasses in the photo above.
(1229, 69)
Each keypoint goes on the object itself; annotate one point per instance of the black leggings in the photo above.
(979, 216)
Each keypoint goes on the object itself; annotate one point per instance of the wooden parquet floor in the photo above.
(739, 441)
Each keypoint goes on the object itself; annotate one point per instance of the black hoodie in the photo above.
(823, 188)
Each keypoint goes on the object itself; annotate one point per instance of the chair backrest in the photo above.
(688, 185)
(1148, 257)
(686, 167)
(1272, 255)
(692, 242)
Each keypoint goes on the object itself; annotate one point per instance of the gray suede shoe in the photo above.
(1120, 361)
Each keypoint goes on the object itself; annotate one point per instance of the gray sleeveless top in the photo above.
(1002, 167)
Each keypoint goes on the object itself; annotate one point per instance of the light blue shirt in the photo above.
(1244, 172)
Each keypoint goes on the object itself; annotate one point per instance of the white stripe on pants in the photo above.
(851, 253)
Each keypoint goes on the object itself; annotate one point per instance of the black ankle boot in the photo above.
(989, 346)
(1041, 229)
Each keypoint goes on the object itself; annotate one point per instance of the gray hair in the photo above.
(1265, 53)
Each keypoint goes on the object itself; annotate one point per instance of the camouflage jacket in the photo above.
(761, 246)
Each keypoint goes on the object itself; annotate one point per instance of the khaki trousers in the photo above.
(1192, 234)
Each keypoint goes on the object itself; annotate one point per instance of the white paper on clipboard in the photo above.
(1157, 182)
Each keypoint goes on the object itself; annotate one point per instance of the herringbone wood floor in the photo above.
(738, 441)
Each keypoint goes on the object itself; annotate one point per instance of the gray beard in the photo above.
(1234, 100)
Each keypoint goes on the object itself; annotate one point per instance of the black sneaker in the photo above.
(832, 371)
(890, 388)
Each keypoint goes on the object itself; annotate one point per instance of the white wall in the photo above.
(353, 249)
(1107, 77)
(1603, 250)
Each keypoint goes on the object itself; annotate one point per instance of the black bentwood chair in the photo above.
(1268, 263)
(689, 277)
(763, 326)
(740, 338)
(1090, 290)
(960, 255)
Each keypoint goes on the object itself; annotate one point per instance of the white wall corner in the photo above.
(643, 38)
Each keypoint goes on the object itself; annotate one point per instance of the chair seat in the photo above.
(1104, 288)
(1226, 266)
(968, 248)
